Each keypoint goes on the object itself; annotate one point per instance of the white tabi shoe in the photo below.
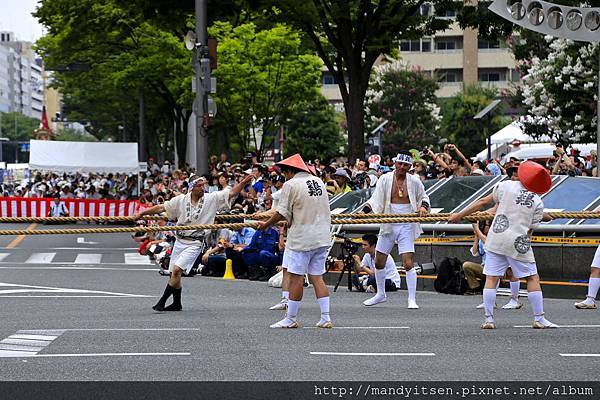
(375, 300)
(281, 306)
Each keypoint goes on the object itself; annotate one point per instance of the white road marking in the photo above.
(81, 240)
(3, 256)
(24, 344)
(135, 258)
(92, 258)
(16, 347)
(579, 355)
(114, 329)
(361, 327)
(30, 355)
(561, 326)
(34, 337)
(91, 248)
(75, 268)
(75, 296)
(60, 291)
(328, 353)
(40, 258)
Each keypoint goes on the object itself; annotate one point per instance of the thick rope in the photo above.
(390, 219)
(238, 217)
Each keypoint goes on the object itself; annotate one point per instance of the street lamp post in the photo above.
(202, 74)
(575, 23)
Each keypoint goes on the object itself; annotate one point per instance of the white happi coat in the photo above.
(382, 198)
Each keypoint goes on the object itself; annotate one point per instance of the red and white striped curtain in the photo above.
(40, 207)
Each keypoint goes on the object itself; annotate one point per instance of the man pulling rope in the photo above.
(195, 207)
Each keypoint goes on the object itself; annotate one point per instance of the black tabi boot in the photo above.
(176, 306)
(160, 306)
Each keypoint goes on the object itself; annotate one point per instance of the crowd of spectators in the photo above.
(256, 255)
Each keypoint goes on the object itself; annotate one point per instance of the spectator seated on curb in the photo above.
(233, 251)
(364, 277)
(262, 255)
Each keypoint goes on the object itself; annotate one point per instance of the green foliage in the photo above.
(262, 76)
(313, 131)
(406, 99)
(71, 135)
(458, 124)
(123, 54)
(17, 126)
(350, 36)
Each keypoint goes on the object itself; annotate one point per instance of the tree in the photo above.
(71, 135)
(262, 76)
(350, 35)
(458, 124)
(313, 131)
(16, 126)
(559, 91)
(128, 59)
(406, 99)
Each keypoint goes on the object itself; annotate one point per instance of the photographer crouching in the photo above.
(366, 282)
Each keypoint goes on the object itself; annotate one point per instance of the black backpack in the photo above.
(451, 277)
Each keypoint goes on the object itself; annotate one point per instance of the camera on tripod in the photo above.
(349, 249)
(349, 245)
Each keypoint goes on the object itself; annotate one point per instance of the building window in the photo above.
(411, 45)
(329, 79)
(450, 75)
(426, 45)
(448, 43)
(486, 44)
(446, 13)
(492, 75)
(425, 10)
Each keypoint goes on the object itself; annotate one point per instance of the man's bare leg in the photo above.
(285, 293)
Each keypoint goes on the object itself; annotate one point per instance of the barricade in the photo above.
(40, 207)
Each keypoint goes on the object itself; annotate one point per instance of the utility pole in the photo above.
(202, 66)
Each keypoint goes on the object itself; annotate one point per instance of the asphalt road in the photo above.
(88, 306)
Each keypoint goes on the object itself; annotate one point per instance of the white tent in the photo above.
(510, 133)
(545, 150)
(89, 157)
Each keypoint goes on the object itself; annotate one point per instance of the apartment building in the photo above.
(459, 58)
(21, 83)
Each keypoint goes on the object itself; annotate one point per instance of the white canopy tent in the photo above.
(545, 150)
(84, 157)
(501, 140)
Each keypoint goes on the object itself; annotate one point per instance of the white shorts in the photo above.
(184, 255)
(403, 235)
(310, 262)
(596, 261)
(497, 264)
(285, 261)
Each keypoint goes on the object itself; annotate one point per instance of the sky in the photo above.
(15, 16)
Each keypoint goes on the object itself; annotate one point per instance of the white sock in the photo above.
(489, 301)
(380, 279)
(593, 287)
(285, 295)
(324, 305)
(537, 304)
(411, 283)
(514, 289)
(292, 312)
